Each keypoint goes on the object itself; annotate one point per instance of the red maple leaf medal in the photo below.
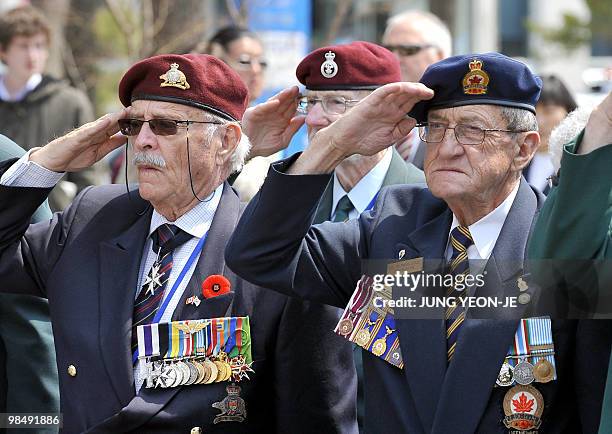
(476, 81)
(523, 406)
(215, 285)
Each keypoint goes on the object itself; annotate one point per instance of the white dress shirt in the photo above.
(362, 194)
(30, 85)
(197, 222)
(485, 233)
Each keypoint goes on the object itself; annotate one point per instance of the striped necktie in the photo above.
(343, 209)
(165, 239)
(461, 240)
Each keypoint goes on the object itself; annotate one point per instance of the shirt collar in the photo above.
(197, 220)
(30, 85)
(486, 230)
(365, 190)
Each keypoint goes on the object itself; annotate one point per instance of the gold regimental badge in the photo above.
(175, 78)
(476, 81)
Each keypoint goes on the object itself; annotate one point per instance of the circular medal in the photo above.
(524, 298)
(221, 371)
(363, 338)
(543, 371)
(201, 371)
(182, 366)
(228, 371)
(346, 327)
(214, 372)
(207, 372)
(193, 373)
(506, 375)
(380, 346)
(179, 376)
(523, 372)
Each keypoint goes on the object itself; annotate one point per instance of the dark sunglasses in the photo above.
(407, 50)
(159, 127)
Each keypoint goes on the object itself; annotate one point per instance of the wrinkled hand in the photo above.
(82, 147)
(271, 125)
(598, 131)
(375, 123)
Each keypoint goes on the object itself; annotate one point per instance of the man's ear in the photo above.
(230, 137)
(528, 146)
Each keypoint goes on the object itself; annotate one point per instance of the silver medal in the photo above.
(523, 372)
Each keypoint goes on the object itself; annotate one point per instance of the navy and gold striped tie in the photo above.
(461, 240)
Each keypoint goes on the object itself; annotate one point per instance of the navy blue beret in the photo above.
(488, 78)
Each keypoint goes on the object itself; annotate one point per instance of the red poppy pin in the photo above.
(215, 285)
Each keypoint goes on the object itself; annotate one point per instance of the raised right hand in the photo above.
(82, 147)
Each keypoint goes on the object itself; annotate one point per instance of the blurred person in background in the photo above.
(27, 384)
(34, 107)
(243, 51)
(555, 103)
(418, 39)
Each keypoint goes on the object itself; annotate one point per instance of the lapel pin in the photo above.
(215, 285)
(402, 253)
(193, 300)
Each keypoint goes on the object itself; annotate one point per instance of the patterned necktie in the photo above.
(460, 239)
(165, 239)
(343, 209)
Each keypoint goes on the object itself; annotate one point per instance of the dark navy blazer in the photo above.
(274, 246)
(86, 261)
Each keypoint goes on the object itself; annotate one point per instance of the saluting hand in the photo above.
(271, 125)
(82, 147)
(375, 123)
(598, 131)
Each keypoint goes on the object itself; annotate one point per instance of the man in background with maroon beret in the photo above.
(153, 332)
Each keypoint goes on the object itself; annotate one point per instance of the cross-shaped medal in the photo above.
(153, 279)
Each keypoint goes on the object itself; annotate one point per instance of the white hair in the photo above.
(432, 28)
(566, 131)
(242, 149)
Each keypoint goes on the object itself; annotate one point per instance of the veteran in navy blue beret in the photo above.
(457, 368)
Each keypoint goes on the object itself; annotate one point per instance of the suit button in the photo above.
(196, 430)
(72, 370)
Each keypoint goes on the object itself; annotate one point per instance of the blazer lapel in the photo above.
(423, 342)
(325, 204)
(483, 343)
(119, 266)
(212, 261)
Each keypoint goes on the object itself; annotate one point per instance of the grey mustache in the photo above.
(148, 159)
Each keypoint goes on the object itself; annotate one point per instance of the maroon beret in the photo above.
(358, 65)
(197, 80)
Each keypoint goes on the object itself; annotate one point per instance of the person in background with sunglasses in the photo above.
(418, 39)
(242, 50)
(124, 270)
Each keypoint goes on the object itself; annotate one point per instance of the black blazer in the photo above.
(86, 261)
(276, 247)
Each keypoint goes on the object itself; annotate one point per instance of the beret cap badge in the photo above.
(475, 82)
(175, 78)
(329, 68)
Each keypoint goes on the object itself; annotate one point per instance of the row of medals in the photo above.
(163, 373)
(525, 373)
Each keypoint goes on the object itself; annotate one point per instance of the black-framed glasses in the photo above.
(332, 105)
(159, 127)
(245, 62)
(407, 50)
(433, 132)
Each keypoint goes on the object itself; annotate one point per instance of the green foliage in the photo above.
(571, 35)
(111, 40)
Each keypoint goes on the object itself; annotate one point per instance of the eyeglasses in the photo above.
(433, 132)
(332, 105)
(246, 62)
(160, 127)
(407, 50)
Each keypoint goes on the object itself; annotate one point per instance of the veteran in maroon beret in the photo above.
(153, 332)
